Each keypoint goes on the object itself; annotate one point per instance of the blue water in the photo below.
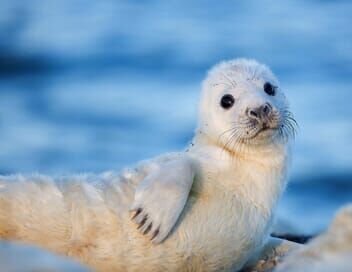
(97, 85)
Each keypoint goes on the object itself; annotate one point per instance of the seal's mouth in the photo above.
(264, 129)
(281, 125)
(245, 131)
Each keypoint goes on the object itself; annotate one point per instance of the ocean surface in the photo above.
(89, 86)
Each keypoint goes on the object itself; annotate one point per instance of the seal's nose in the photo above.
(260, 112)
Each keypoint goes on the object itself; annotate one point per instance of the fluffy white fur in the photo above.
(214, 203)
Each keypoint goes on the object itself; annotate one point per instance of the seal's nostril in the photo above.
(266, 109)
(253, 113)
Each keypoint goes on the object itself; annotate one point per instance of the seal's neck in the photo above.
(267, 155)
(259, 172)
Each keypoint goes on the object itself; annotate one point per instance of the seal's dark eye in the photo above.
(269, 88)
(227, 101)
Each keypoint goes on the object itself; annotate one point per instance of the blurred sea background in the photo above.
(89, 86)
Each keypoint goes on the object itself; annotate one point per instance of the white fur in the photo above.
(162, 196)
(223, 194)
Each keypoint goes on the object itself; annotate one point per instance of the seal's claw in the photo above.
(155, 234)
(143, 221)
(147, 230)
(136, 213)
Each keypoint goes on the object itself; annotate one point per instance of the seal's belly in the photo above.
(217, 231)
(215, 234)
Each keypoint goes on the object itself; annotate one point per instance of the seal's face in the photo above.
(243, 104)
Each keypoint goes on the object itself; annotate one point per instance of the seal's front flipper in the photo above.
(161, 196)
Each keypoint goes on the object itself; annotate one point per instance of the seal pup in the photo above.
(209, 208)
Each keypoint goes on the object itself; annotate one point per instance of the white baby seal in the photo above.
(209, 208)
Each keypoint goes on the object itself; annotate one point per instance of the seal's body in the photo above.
(213, 203)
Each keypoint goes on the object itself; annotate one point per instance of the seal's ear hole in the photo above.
(227, 101)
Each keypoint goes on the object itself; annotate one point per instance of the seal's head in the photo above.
(242, 105)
